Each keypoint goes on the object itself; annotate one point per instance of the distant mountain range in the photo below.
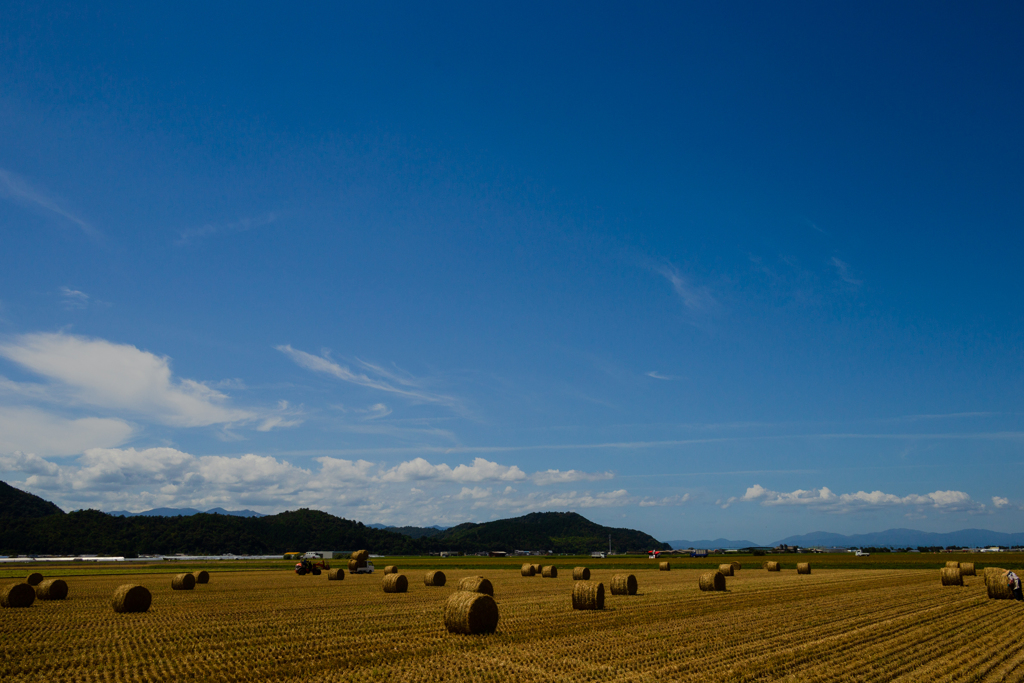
(717, 543)
(185, 512)
(908, 538)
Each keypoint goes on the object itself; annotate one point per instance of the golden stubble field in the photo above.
(833, 625)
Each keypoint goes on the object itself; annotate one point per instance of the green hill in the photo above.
(18, 504)
(559, 532)
(36, 526)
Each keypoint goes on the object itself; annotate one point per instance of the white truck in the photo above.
(368, 569)
(861, 553)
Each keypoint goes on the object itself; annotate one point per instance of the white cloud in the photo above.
(824, 498)
(37, 431)
(338, 470)
(480, 470)
(29, 463)
(1000, 502)
(329, 367)
(99, 373)
(474, 493)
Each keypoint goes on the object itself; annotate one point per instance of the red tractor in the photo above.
(310, 567)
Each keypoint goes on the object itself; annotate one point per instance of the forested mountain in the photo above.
(35, 526)
(15, 503)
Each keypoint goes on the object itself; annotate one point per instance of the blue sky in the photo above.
(738, 270)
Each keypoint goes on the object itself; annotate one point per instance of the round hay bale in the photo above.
(803, 567)
(470, 613)
(390, 569)
(395, 583)
(202, 576)
(773, 566)
(550, 571)
(664, 566)
(476, 584)
(623, 584)
(528, 570)
(335, 574)
(588, 595)
(434, 577)
(953, 565)
(581, 574)
(997, 585)
(130, 598)
(712, 581)
(725, 569)
(353, 565)
(34, 578)
(736, 566)
(17, 595)
(967, 569)
(538, 570)
(52, 589)
(360, 556)
(183, 582)
(992, 571)
(951, 576)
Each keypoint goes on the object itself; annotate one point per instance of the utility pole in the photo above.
(609, 544)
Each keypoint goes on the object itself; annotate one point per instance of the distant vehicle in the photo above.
(653, 554)
(598, 555)
(368, 569)
(861, 553)
(309, 567)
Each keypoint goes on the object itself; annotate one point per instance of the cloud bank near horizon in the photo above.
(411, 492)
(826, 500)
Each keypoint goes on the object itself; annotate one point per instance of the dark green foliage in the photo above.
(416, 531)
(18, 504)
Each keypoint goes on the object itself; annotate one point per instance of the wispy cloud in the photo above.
(823, 498)
(1000, 502)
(385, 381)
(560, 477)
(375, 412)
(843, 271)
(696, 298)
(657, 375)
(74, 298)
(814, 226)
(18, 189)
(636, 445)
(191, 235)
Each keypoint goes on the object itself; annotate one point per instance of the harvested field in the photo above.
(832, 625)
